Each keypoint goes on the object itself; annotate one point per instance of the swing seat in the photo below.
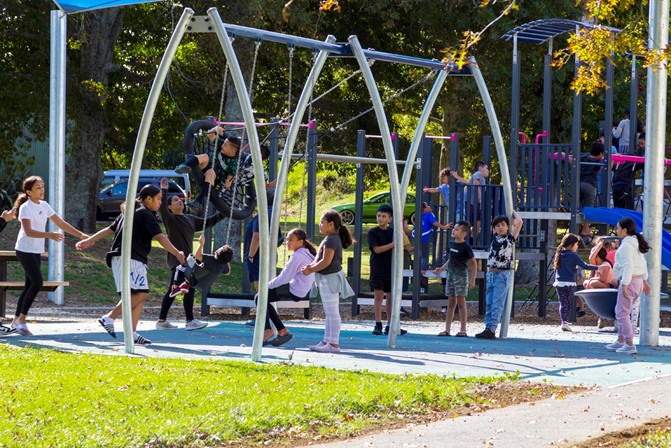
(601, 301)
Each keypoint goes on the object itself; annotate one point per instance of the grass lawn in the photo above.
(57, 399)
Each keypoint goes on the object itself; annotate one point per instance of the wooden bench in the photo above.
(18, 285)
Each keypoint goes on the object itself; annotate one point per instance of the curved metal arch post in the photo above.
(138, 154)
(385, 133)
(505, 176)
(259, 178)
(290, 142)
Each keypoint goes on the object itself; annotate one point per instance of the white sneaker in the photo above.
(316, 346)
(165, 325)
(327, 348)
(615, 346)
(630, 349)
(637, 331)
(565, 327)
(195, 324)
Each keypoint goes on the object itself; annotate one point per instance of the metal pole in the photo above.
(575, 146)
(358, 221)
(514, 114)
(608, 130)
(136, 163)
(396, 204)
(654, 169)
(505, 177)
(57, 146)
(312, 180)
(547, 92)
(633, 104)
(259, 180)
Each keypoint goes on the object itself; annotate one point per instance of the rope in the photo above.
(223, 94)
(289, 114)
(397, 94)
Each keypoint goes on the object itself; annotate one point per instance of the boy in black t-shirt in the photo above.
(461, 271)
(381, 243)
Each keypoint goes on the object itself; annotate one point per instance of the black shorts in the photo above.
(377, 284)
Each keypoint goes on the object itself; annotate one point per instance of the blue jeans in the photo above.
(498, 283)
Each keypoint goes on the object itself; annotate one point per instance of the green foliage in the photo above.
(57, 399)
(659, 439)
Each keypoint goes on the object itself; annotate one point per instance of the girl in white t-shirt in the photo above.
(33, 215)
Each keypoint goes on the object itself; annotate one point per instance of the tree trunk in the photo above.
(100, 31)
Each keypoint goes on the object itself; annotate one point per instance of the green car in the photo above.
(371, 205)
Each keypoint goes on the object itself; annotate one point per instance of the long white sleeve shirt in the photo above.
(299, 284)
(629, 261)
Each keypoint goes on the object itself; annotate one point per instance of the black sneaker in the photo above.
(141, 340)
(581, 313)
(486, 334)
(4, 331)
(109, 328)
(377, 331)
(386, 330)
(182, 168)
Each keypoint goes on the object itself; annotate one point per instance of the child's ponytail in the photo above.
(643, 244)
(345, 237)
(568, 241)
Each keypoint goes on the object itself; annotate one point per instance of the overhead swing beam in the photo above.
(202, 24)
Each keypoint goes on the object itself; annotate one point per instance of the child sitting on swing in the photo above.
(201, 270)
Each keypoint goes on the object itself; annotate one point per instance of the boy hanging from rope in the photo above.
(230, 162)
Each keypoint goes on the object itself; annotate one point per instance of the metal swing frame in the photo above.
(188, 22)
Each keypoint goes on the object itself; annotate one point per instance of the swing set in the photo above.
(212, 23)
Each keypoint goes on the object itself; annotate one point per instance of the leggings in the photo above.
(331, 303)
(167, 300)
(31, 265)
(565, 296)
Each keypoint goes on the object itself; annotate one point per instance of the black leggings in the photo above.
(275, 295)
(31, 265)
(167, 300)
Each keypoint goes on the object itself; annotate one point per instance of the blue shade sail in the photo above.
(73, 6)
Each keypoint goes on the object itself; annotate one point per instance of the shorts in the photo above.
(383, 284)
(474, 212)
(587, 195)
(138, 275)
(456, 283)
(252, 269)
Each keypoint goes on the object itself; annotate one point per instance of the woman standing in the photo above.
(632, 273)
(330, 277)
(33, 215)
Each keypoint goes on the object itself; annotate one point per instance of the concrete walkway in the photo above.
(632, 389)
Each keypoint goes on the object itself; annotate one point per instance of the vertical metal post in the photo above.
(608, 131)
(136, 163)
(547, 92)
(417, 278)
(358, 219)
(454, 163)
(514, 117)
(395, 143)
(654, 168)
(274, 143)
(575, 146)
(633, 104)
(312, 180)
(56, 197)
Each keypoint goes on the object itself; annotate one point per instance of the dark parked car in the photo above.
(111, 197)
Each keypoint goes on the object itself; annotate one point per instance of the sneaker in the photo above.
(5, 331)
(182, 168)
(601, 323)
(326, 348)
(314, 347)
(141, 340)
(630, 349)
(165, 325)
(195, 324)
(566, 327)
(108, 326)
(386, 330)
(185, 287)
(404, 312)
(377, 331)
(615, 346)
(486, 334)
(22, 329)
(581, 313)
(637, 331)
(174, 291)
(443, 309)
(250, 323)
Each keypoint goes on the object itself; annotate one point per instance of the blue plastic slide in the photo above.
(612, 215)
